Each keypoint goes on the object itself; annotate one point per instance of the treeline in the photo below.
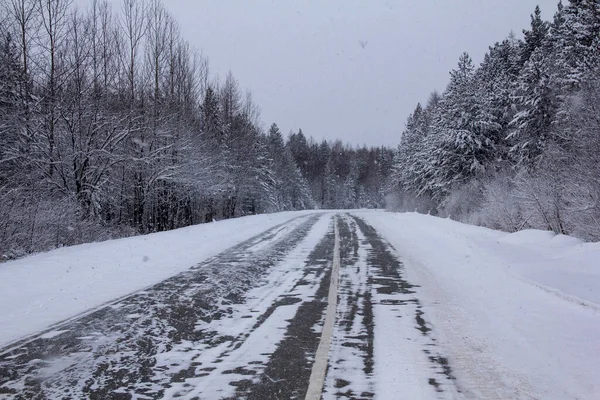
(340, 176)
(111, 125)
(515, 142)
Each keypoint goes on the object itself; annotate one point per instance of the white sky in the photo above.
(306, 68)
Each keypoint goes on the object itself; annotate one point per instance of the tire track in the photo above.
(114, 352)
(350, 374)
(394, 298)
(287, 373)
(317, 376)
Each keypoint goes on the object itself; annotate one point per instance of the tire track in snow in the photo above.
(198, 335)
(118, 351)
(351, 357)
(287, 373)
(317, 376)
(408, 363)
(254, 365)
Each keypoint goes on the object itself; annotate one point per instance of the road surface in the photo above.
(315, 308)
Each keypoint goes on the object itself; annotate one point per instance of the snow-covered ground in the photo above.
(46, 288)
(517, 314)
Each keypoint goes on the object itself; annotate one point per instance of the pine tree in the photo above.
(10, 80)
(290, 187)
(320, 182)
(300, 151)
(496, 80)
(251, 177)
(537, 106)
(417, 158)
(406, 159)
(534, 37)
(212, 122)
(466, 138)
(576, 41)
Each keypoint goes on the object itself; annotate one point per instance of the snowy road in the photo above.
(247, 323)
(244, 324)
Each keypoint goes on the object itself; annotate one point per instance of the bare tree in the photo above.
(54, 16)
(134, 27)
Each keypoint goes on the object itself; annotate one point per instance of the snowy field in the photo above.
(449, 311)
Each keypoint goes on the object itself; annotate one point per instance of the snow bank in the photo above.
(46, 288)
(519, 314)
(528, 236)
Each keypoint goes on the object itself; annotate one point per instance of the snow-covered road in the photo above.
(426, 309)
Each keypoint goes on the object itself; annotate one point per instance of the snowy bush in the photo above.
(37, 225)
(500, 208)
(463, 201)
(404, 201)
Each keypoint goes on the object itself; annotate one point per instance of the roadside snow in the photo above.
(46, 288)
(518, 314)
(563, 264)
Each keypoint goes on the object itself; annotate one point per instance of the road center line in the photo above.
(319, 369)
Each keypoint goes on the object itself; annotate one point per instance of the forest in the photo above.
(111, 124)
(513, 143)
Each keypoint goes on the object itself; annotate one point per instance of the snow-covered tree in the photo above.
(523, 124)
(11, 99)
(534, 37)
(576, 41)
(467, 132)
(537, 103)
(291, 188)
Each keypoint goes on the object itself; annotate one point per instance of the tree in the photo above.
(291, 188)
(230, 100)
(537, 104)
(467, 132)
(109, 126)
(576, 41)
(535, 37)
(13, 98)
(298, 145)
(513, 144)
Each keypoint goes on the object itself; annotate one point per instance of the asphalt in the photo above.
(111, 353)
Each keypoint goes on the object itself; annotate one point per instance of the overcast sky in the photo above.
(307, 68)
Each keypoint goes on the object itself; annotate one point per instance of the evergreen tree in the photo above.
(251, 191)
(291, 189)
(496, 81)
(298, 145)
(537, 106)
(534, 37)
(466, 138)
(212, 122)
(576, 39)
(9, 97)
